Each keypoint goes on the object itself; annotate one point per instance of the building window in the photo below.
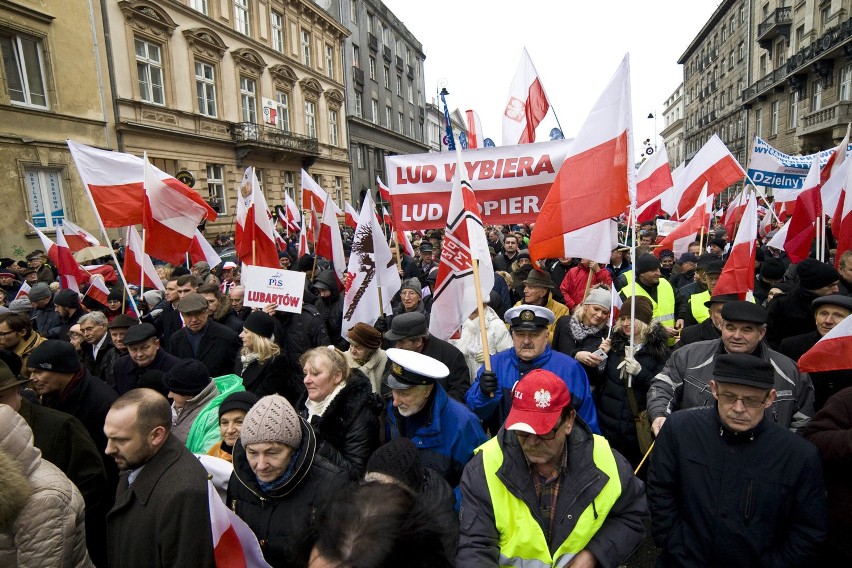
(283, 102)
(289, 185)
(46, 200)
(399, 85)
(825, 15)
(332, 127)
(353, 10)
(386, 35)
(731, 60)
(338, 190)
(23, 64)
(356, 57)
(410, 92)
(375, 111)
(311, 119)
(149, 67)
(248, 99)
(758, 122)
(359, 104)
(411, 127)
(816, 99)
(329, 61)
(400, 122)
(794, 109)
(763, 65)
(205, 87)
(359, 156)
(388, 115)
(372, 68)
(846, 83)
(306, 48)
(216, 188)
(277, 23)
(199, 5)
(773, 118)
(387, 77)
(800, 36)
(742, 51)
(241, 16)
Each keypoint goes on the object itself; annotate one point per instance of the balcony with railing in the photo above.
(249, 135)
(358, 75)
(373, 42)
(776, 24)
(837, 115)
(386, 53)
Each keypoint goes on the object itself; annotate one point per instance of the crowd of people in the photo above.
(588, 432)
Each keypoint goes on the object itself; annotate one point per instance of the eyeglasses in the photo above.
(731, 399)
(549, 436)
(5, 333)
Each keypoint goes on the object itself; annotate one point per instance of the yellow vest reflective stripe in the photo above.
(696, 303)
(522, 542)
(664, 307)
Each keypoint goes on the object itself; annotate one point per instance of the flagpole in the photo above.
(141, 272)
(588, 283)
(480, 310)
(633, 281)
(763, 195)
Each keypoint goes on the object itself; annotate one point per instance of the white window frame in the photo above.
(310, 119)
(216, 187)
(338, 190)
(388, 118)
(248, 99)
(282, 119)
(401, 122)
(148, 71)
(387, 77)
(199, 6)
(359, 156)
(375, 111)
(276, 22)
(816, 96)
(372, 68)
(205, 88)
(793, 117)
(353, 10)
(290, 185)
(359, 104)
(242, 17)
(333, 138)
(773, 118)
(306, 47)
(46, 199)
(845, 92)
(20, 64)
(329, 61)
(758, 122)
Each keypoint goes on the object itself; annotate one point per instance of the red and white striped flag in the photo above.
(254, 236)
(404, 242)
(200, 249)
(699, 216)
(293, 220)
(23, 291)
(315, 197)
(98, 291)
(71, 274)
(135, 262)
(801, 230)
(234, 543)
(386, 218)
(475, 137)
(653, 177)
(831, 353)
(330, 244)
(384, 192)
(527, 104)
(734, 212)
(596, 179)
(350, 217)
(738, 275)
(77, 237)
(303, 247)
(842, 222)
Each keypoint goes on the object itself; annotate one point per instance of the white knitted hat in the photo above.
(272, 419)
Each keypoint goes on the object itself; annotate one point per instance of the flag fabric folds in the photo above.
(831, 353)
(71, 274)
(464, 240)
(801, 230)
(293, 221)
(315, 197)
(330, 244)
(678, 240)
(234, 543)
(595, 180)
(77, 237)
(653, 177)
(738, 275)
(734, 212)
(527, 104)
(135, 262)
(200, 250)
(842, 223)
(371, 267)
(475, 137)
(115, 182)
(254, 236)
(350, 218)
(98, 291)
(384, 191)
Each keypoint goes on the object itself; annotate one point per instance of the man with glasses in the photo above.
(684, 381)
(546, 491)
(727, 486)
(207, 341)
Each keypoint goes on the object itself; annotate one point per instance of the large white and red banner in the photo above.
(511, 183)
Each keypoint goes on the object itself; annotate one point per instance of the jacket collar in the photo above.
(148, 478)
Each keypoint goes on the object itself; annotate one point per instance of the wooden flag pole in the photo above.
(701, 241)
(480, 310)
(588, 283)
(645, 457)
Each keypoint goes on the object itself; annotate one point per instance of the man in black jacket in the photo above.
(711, 328)
(207, 341)
(144, 354)
(727, 487)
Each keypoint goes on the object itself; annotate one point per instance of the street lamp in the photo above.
(653, 116)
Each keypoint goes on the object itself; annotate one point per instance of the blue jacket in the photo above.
(446, 442)
(507, 367)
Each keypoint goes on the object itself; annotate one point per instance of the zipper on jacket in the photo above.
(580, 492)
(749, 500)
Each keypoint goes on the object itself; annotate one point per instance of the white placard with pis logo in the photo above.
(264, 286)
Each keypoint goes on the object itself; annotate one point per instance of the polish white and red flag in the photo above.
(713, 165)
(386, 217)
(23, 291)
(403, 241)
(765, 224)
(527, 104)
(464, 242)
(384, 191)
(169, 218)
(303, 247)
(596, 180)
(98, 290)
(254, 236)
(116, 184)
(734, 212)
(801, 229)
(371, 268)
(314, 197)
(350, 217)
(234, 543)
(293, 220)
(330, 244)
(137, 262)
(842, 222)
(71, 274)
(475, 137)
(699, 216)
(200, 249)
(831, 353)
(738, 275)
(653, 178)
(77, 237)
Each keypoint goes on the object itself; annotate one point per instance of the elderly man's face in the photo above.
(845, 270)
(529, 343)
(195, 321)
(93, 332)
(741, 407)
(534, 295)
(827, 316)
(651, 277)
(742, 336)
(31, 278)
(409, 299)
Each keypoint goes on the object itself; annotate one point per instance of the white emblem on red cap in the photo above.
(542, 398)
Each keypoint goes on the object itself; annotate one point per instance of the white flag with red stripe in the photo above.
(738, 275)
(713, 165)
(255, 235)
(98, 291)
(135, 261)
(475, 137)
(384, 191)
(330, 244)
(201, 250)
(734, 212)
(23, 291)
(653, 177)
(527, 104)
(293, 220)
(386, 217)
(77, 237)
(350, 217)
(234, 543)
(596, 179)
(842, 222)
(831, 353)
(315, 197)
(699, 216)
(403, 241)
(71, 274)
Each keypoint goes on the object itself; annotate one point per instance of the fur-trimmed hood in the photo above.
(15, 490)
(356, 397)
(656, 342)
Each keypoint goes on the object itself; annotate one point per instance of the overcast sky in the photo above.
(475, 46)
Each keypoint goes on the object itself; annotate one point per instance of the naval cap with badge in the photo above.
(528, 316)
(537, 403)
(411, 369)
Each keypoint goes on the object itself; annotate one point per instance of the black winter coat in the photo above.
(278, 518)
(348, 431)
(615, 417)
(167, 323)
(232, 322)
(564, 342)
(458, 381)
(826, 383)
(297, 333)
(46, 321)
(218, 350)
(699, 332)
(100, 366)
(271, 377)
(789, 315)
(126, 373)
(331, 309)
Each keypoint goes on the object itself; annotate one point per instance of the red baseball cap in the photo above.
(537, 403)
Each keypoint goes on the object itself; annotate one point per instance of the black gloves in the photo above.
(488, 382)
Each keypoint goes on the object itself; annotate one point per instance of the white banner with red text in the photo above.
(264, 286)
